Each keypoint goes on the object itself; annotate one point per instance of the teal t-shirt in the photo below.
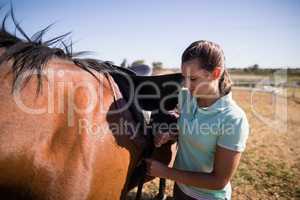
(200, 131)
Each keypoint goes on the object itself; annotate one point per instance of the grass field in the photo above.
(270, 166)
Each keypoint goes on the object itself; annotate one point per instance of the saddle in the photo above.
(157, 94)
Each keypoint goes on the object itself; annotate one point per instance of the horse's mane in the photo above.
(30, 55)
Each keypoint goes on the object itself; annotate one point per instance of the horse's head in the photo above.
(157, 95)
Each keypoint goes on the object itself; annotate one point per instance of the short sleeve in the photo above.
(234, 134)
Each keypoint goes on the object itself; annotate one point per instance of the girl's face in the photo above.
(200, 82)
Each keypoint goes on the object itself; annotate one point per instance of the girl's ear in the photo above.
(217, 72)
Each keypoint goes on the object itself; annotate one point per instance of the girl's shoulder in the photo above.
(234, 111)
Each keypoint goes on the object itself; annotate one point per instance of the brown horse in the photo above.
(59, 135)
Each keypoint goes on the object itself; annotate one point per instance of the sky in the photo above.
(263, 32)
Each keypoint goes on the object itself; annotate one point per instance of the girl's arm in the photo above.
(225, 165)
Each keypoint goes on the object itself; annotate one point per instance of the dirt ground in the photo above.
(270, 166)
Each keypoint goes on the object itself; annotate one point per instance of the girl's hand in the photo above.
(174, 113)
(164, 136)
(156, 169)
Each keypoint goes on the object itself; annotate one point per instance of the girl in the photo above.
(213, 129)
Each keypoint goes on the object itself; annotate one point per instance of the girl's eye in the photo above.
(192, 79)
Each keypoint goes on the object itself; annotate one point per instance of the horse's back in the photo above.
(58, 144)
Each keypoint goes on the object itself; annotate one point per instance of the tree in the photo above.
(255, 67)
(157, 65)
(138, 62)
(252, 68)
